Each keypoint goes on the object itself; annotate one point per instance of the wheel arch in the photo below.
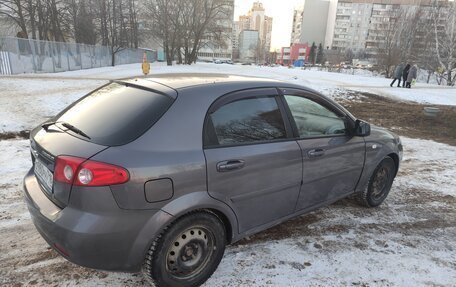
(225, 221)
(373, 158)
(395, 158)
(202, 202)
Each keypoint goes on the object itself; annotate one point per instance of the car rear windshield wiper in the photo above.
(45, 126)
(75, 129)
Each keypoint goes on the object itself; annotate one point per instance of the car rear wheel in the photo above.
(187, 252)
(379, 184)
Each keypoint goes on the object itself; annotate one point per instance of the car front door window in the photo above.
(313, 119)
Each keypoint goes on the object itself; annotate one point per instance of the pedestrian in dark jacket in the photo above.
(398, 75)
(405, 75)
(412, 74)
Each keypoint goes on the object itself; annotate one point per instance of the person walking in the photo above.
(405, 74)
(398, 75)
(412, 74)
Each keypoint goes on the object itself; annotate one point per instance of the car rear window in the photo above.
(116, 113)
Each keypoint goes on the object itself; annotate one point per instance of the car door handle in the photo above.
(316, 152)
(229, 165)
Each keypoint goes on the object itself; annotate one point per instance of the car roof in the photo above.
(172, 83)
(214, 85)
(184, 80)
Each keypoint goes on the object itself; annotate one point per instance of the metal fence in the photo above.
(19, 56)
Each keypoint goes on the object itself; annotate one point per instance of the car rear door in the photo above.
(332, 158)
(253, 163)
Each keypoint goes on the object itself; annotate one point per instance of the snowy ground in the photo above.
(408, 241)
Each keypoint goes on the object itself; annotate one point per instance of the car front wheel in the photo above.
(379, 184)
(187, 252)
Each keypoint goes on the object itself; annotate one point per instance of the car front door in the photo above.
(333, 159)
(253, 163)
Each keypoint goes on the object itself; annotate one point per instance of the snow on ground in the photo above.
(24, 98)
(25, 103)
(408, 241)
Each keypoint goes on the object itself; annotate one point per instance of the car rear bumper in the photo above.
(108, 240)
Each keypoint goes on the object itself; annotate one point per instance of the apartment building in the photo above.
(248, 45)
(352, 21)
(352, 24)
(296, 28)
(361, 24)
(314, 22)
(235, 38)
(257, 20)
(220, 49)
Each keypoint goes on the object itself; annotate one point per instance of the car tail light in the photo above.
(66, 167)
(83, 172)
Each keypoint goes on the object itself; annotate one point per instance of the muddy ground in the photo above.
(408, 241)
(405, 118)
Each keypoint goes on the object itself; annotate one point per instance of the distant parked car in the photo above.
(247, 64)
(161, 173)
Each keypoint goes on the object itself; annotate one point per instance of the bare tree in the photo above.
(185, 26)
(81, 21)
(163, 18)
(408, 23)
(445, 38)
(16, 12)
(386, 37)
(201, 25)
(349, 56)
(334, 57)
(422, 47)
(117, 25)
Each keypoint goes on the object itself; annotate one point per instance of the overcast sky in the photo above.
(282, 13)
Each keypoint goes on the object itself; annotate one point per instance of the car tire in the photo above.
(187, 252)
(379, 184)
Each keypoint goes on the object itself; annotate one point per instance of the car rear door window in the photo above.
(248, 120)
(313, 119)
(116, 114)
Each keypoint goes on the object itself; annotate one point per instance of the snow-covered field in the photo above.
(408, 241)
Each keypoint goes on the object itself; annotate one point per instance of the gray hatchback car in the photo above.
(159, 174)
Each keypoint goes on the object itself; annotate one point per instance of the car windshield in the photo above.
(115, 114)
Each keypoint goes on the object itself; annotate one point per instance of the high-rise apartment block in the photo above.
(297, 22)
(248, 45)
(310, 23)
(235, 39)
(349, 24)
(256, 20)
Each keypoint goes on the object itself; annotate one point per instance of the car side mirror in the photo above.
(362, 128)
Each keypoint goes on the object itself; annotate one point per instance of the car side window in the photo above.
(248, 120)
(312, 119)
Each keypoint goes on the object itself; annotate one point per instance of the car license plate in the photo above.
(44, 174)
